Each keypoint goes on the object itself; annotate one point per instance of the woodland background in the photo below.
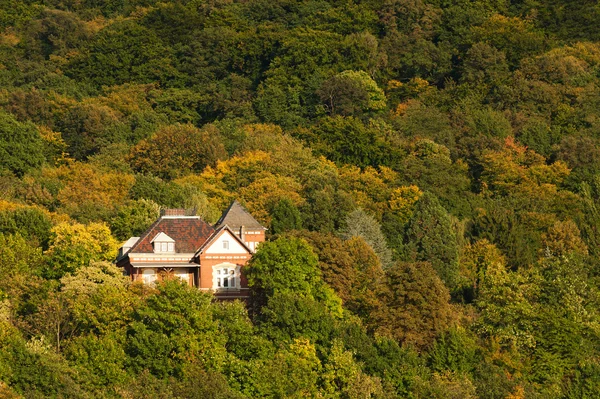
(429, 171)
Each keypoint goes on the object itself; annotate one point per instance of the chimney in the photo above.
(242, 233)
(173, 212)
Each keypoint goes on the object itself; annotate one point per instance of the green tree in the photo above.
(351, 93)
(123, 52)
(430, 237)
(21, 146)
(288, 265)
(285, 216)
(172, 329)
(347, 140)
(134, 218)
(31, 223)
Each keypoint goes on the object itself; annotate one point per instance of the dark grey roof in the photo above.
(236, 216)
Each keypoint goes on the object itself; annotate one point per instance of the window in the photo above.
(182, 274)
(164, 247)
(149, 276)
(226, 276)
(163, 243)
(225, 244)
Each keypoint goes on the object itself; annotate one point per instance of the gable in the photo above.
(216, 246)
(162, 237)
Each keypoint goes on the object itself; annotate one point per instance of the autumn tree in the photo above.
(176, 150)
(361, 224)
(75, 245)
(351, 93)
(415, 306)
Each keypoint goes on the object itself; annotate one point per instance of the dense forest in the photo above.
(429, 171)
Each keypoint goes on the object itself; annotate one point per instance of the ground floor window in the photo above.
(183, 274)
(149, 276)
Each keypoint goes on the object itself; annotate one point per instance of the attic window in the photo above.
(164, 246)
(225, 244)
(162, 243)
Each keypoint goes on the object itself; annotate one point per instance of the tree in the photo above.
(134, 218)
(75, 245)
(21, 146)
(285, 216)
(177, 150)
(288, 265)
(475, 261)
(123, 52)
(98, 298)
(347, 140)
(351, 93)
(31, 223)
(431, 238)
(415, 307)
(18, 257)
(361, 224)
(172, 329)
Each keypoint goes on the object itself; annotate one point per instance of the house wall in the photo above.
(206, 269)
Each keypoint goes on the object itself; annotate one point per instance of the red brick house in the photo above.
(186, 247)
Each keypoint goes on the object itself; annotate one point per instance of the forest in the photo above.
(428, 170)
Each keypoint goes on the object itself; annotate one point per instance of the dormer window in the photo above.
(162, 243)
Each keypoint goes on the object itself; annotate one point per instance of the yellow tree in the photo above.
(75, 245)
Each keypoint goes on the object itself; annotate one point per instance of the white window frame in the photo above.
(226, 276)
(149, 278)
(183, 274)
(164, 247)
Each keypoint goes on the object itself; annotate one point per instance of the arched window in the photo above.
(183, 274)
(226, 276)
(149, 276)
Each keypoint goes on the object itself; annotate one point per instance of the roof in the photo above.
(236, 216)
(188, 232)
(212, 238)
(131, 242)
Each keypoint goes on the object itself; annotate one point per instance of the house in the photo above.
(188, 248)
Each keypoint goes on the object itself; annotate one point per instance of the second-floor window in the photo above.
(226, 277)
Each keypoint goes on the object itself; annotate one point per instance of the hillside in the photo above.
(429, 170)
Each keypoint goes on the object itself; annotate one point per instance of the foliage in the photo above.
(430, 237)
(415, 306)
(363, 225)
(75, 245)
(175, 150)
(409, 143)
(288, 266)
(20, 145)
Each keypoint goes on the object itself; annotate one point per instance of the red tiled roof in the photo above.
(189, 234)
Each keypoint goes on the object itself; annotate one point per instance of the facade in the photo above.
(188, 248)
